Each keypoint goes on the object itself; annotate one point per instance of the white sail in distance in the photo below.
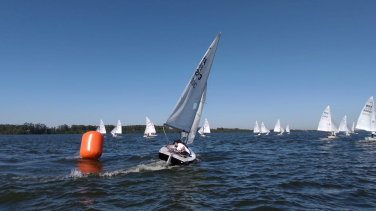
(206, 126)
(101, 128)
(326, 123)
(288, 129)
(149, 129)
(277, 127)
(343, 125)
(352, 128)
(256, 128)
(184, 112)
(264, 129)
(119, 129)
(366, 120)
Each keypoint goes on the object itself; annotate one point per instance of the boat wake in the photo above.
(156, 166)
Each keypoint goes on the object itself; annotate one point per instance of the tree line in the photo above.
(30, 128)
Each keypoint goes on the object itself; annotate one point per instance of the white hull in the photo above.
(150, 136)
(370, 138)
(332, 136)
(175, 158)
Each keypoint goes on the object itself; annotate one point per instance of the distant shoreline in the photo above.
(31, 128)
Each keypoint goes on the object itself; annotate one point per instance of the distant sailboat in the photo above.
(327, 124)
(288, 129)
(187, 112)
(256, 129)
(352, 129)
(101, 128)
(264, 129)
(204, 129)
(366, 120)
(278, 128)
(343, 127)
(117, 130)
(150, 129)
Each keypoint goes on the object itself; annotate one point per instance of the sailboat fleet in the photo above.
(277, 129)
(186, 116)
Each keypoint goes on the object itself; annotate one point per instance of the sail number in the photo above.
(368, 109)
(198, 72)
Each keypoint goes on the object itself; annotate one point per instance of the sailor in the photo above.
(182, 148)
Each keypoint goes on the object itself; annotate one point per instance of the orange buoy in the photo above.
(91, 145)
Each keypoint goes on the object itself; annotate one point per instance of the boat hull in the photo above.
(370, 138)
(176, 158)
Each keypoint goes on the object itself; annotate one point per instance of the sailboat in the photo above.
(150, 129)
(264, 129)
(343, 127)
(352, 129)
(288, 129)
(117, 130)
(186, 114)
(278, 128)
(327, 124)
(256, 129)
(204, 129)
(366, 120)
(101, 128)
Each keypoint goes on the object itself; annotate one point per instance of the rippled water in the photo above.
(234, 172)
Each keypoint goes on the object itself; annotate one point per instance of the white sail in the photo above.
(288, 129)
(326, 122)
(101, 128)
(256, 128)
(206, 126)
(343, 126)
(264, 129)
(193, 130)
(282, 130)
(113, 131)
(277, 127)
(366, 120)
(149, 129)
(119, 129)
(184, 112)
(201, 130)
(352, 128)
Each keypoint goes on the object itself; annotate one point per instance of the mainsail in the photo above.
(277, 127)
(256, 128)
(343, 126)
(101, 128)
(187, 112)
(184, 113)
(117, 129)
(366, 120)
(288, 129)
(326, 123)
(264, 129)
(150, 129)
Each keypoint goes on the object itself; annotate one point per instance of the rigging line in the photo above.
(168, 141)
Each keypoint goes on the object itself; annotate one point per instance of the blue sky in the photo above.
(76, 62)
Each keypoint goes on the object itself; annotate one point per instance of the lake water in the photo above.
(234, 171)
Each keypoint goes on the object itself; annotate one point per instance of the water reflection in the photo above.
(88, 166)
